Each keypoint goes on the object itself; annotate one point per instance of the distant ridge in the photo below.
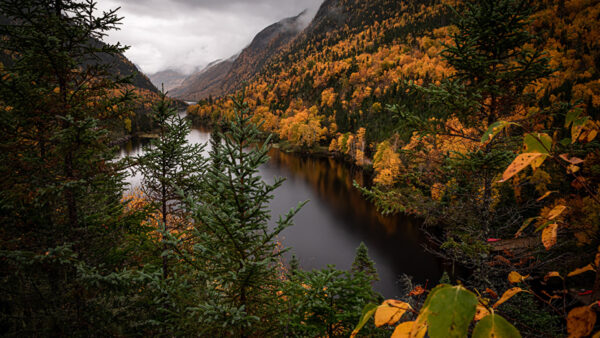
(222, 77)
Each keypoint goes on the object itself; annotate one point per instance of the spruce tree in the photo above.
(60, 187)
(232, 237)
(363, 263)
(495, 58)
(170, 167)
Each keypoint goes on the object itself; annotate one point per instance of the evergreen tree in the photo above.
(363, 263)
(326, 302)
(170, 167)
(492, 59)
(60, 187)
(495, 58)
(233, 240)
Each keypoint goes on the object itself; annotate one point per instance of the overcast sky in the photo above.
(185, 34)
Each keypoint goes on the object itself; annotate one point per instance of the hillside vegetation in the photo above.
(480, 117)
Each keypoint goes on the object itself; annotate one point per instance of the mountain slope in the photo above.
(204, 83)
(223, 77)
(266, 44)
(169, 78)
(356, 58)
(122, 66)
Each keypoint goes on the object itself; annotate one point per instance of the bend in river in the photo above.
(336, 219)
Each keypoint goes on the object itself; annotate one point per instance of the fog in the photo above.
(185, 35)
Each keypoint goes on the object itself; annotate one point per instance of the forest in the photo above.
(480, 118)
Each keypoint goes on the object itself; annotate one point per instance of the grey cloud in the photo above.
(185, 34)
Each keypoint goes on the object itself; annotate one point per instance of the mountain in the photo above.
(356, 58)
(265, 44)
(170, 78)
(222, 77)
(207, 82)
(119, 64)
(122, 66)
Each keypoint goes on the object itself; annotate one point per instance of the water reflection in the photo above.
(337, 218)
(331, 226)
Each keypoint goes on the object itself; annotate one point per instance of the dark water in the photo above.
(331, 226)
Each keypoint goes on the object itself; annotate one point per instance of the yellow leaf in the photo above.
(556, 211)
(419, 327)
(549, 235)
(390, 312)
(596, 335)
(592, 135)
(576, 131)
(571, 169)
(481, 312)
(580, 321)
(520, 163)
(551, 274)
(403, 330)
(544, 196)
(515, 277)
(507, 295)
(579, 271)
(572, 160)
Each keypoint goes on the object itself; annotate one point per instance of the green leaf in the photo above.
(525, 225)
(494, 129)
(565, 141)
(571, 116)
(367, 313)
(495, 326)
(449, 311)
(545, 224)
(537, 143)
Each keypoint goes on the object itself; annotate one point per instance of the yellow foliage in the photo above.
(387, 164)
(302, 129)
(580, 321)
(390, 312)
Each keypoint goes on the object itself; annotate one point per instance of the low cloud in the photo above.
(186, 34)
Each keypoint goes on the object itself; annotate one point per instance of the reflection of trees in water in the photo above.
(333, 181)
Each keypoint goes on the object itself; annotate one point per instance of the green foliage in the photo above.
(491, 59)
(531, 317)
(449, 311)
(63, 224)
(493, 130)
(170, 167)
(494, 325)
(362, 262)
(367, 312)
(232, 238)
(537, 143)
(326, 302)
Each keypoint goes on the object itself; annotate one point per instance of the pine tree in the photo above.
(60, 187)
(170, 167)
(492, 59)
(363, 263)
(232, 237)
(495, 58)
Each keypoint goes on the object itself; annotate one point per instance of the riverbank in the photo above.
(337, 218)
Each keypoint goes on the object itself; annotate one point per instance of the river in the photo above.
(336, 219)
